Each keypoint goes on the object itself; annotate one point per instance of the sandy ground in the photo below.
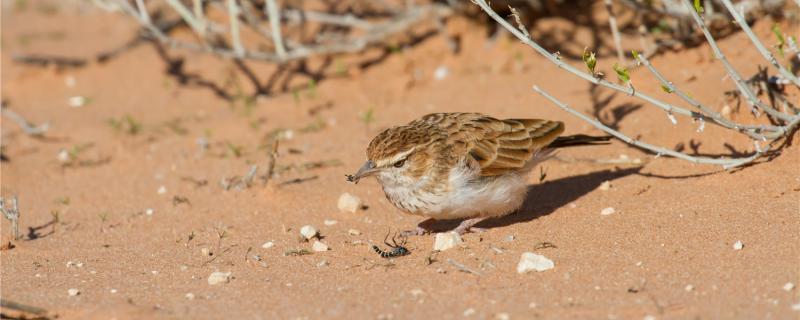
(666, 252)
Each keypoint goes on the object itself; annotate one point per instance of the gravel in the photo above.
(308, 232)
(348, 203)
(218, 277)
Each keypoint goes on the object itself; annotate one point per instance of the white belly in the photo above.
(466, 196)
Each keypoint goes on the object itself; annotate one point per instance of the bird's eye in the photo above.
(399, 164)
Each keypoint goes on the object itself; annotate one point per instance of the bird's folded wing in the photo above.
(502, 146)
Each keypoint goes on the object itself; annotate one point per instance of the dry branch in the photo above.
(788, 123)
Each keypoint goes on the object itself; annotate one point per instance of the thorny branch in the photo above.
(770, 133)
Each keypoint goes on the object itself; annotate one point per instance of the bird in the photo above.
(462, 166)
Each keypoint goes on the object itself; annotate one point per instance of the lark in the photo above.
(466, 166)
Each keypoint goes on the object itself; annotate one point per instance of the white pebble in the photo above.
(530, 261)
(689, 288)
(608, 211)
(77, 101)
(796, 307)
(70, 81)
(149, 211)
(348, 203)
(63, 156)
(331, 222)
(469, 312)
(788, 286)
(319, 246)
(649, 317)
(738, 245)
(218, 277)
(447, 240)
(205, 251)
(73, 292)
(113, 290)
(416, 292)
(322, 263)
(189, 296)
(502, 316)
(162, 190)
(268, 244)
(308, 232)
(605, 185)
(510, 238)
(354, 232)
(440, 73)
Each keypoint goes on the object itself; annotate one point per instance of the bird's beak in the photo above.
(366, 170)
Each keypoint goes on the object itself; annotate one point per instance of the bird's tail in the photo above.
(578, 140)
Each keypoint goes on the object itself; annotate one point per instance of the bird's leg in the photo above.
(422, 229)
(467, 226)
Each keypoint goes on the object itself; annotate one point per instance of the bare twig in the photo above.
(725, 163)
(612, 23)
(735, 76)
(26, 126)
(462, 267)
(273, 13)
(233, 13)
(12, 214)
(22, 307)
(757, 43)
(184, 12)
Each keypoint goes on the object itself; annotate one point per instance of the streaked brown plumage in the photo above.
(462, 165)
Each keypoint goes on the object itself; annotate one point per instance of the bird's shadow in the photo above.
(545, 198)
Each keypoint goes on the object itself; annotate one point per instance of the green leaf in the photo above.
(781, 40)
(698, 7)
(667, 89)
(622, 73)
(635, 55)
(590, 60)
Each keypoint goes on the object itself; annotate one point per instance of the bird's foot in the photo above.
(468, 226)
(421, 230)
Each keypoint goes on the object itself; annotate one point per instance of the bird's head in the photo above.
(398, 155)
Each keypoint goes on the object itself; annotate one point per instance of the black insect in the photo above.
(398, 250)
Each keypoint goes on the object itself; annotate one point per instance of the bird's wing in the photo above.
(498, 146)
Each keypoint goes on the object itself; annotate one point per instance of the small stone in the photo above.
(440, 73)
(469, 312)
(354, 232)
(788, 286)
(649, 317)
(205, 251)
(70, 81)
(416, 292)
(323, 263)
(532, 305)
(502, 316)
(796, 307)
(113, 290)
(308, 232)
(446, 240)
(608, 211)
(319, 246)
(689, 288)
(268, 244)
(77, 101)
(218, 277)
(331, 222)
(63, 156)
(154, 272)
(184, 267)
(73, 292)
(605, 186)
(441, 270)
(162, 190)
(149, 211)
(738, 245)
(726, 111)
(510, 238)
(530, 261)
(189, 296)
(348, 203)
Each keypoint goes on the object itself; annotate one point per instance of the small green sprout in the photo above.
(622, 73)
(698, 7)
(781, 40)
(590, 60)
